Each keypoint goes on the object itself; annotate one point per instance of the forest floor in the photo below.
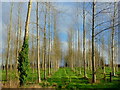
(64, 78)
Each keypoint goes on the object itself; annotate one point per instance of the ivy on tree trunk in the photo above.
(23, 64)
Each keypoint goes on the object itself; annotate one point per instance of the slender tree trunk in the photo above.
(33, 54)
(49, 44)
(73, 52)
(55, 41)
(84, 42)
(90, 61)
(9, 40)
(43, 58)
(38, 45)
(18, 38)
(45, 47)
(112, 46)
(112, 52)
(99, 53)
(72, 55)
(103, 56)
(51, 50)
(93, 44)
(23, 55)
(28, 21)
(79, 51)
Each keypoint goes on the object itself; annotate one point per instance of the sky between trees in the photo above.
(66, 19)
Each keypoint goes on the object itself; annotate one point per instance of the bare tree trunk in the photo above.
(49, 44)
(9, 40)
(38, 44)
(43, 58)
(51, 50)
(45, 47)
(79, 51)
(112, 52)
(84, 41)
(90, 57)
(73, 52)
(112, 46)
(103, 55)
(116, 53)
(72, 57)
(27, 21)
(55, 42)
(99, 52)
(33, 54)
(18, 44)
(70, 51)
(93, 44)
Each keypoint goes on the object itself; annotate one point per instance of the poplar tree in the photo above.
(23, 63)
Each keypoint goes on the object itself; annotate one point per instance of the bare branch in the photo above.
(105, 30)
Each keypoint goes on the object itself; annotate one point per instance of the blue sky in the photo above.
(64, 21)
(65, 18)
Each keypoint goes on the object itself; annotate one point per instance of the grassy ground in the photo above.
(67, 78)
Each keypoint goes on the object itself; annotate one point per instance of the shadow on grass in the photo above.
(83, 80)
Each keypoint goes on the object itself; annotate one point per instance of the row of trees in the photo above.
(24, 54)
(94, 53)
(41, 45)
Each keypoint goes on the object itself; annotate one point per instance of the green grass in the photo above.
(67, 78)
